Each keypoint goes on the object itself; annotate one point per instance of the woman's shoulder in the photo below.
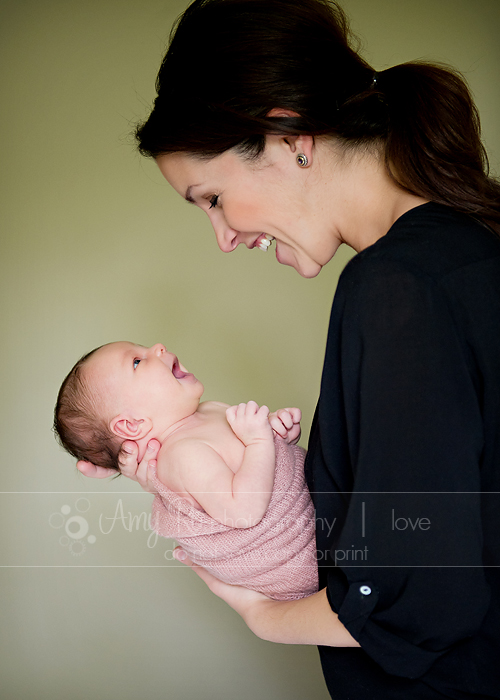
(430, 241)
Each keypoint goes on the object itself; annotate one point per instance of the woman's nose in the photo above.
(158, 349)
(227, 237)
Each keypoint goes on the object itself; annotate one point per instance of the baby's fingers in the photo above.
(251, 409)
(277, 425)
(231, 414)
(296, 414)
(286, 417)
(263, 412)
(294, 434)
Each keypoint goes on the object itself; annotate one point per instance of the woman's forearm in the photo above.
(306, 621)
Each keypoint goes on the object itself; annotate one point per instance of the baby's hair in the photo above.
(78, 426)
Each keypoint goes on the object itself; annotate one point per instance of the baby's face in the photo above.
(143, 383)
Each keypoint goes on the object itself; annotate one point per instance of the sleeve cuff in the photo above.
(394, 654)
(358, 604)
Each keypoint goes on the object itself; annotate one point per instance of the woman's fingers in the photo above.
(127, 459)
(144, 472)
(210, 580)
(93, 471)
(237, 597)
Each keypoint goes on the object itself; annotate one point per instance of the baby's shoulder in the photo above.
(212, 407)
(174, 450)
(177, 458)
(177, 467)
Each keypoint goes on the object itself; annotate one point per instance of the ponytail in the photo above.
(433, 142)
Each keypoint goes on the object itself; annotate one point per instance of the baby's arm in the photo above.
(237, 499)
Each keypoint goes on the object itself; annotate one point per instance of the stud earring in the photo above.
(302, 160)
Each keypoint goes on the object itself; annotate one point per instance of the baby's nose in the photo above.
(158, 349)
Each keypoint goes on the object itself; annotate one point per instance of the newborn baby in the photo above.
(230, 479)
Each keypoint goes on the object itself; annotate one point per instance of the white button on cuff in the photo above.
(365, 590)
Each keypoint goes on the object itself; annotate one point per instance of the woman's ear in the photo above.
(302, 143)
(130, 428)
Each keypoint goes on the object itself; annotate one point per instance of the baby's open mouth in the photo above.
(177, 371)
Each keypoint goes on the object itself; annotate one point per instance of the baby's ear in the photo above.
(130, 428)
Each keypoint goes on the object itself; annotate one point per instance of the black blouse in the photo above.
(404, 463)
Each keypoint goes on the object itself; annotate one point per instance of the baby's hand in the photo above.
(249, 422)
(286, 423)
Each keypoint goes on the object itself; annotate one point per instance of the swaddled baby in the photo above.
(230, 479)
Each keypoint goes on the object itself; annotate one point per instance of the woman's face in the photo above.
(245, 200)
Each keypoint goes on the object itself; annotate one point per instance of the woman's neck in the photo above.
(364, 200)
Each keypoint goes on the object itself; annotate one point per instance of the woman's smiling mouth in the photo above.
(263, 242)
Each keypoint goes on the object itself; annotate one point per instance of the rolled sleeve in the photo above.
(357, 606)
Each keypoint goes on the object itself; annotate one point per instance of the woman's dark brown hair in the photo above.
(230, 62)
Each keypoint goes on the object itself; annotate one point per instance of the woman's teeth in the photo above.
(265, 242)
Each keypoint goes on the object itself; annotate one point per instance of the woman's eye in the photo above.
(136, 362)
(214, 200)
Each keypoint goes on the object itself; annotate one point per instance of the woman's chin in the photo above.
(310, 273)
(307, 269)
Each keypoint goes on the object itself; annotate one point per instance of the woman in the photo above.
(273, 125)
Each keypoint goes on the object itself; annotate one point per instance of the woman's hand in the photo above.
(127, 459)
(305, 621)
(241, 599)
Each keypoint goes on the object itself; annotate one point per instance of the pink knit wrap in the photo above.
(276, 557)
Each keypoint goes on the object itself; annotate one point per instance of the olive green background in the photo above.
(96, 248)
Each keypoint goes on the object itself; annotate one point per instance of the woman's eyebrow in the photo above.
(188, 196)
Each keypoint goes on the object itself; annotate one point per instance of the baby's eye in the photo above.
(214, 200)
(136, 362)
